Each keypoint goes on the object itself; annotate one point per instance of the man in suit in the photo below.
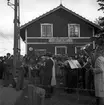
(47, 76)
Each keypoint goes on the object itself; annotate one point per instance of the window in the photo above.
(46, 30)
(60, 50)
(78, 49)
(73, 30)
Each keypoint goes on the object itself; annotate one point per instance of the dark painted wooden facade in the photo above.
(60, 17)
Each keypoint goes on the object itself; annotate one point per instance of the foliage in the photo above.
(100, 40)
(101, 19)
(101, 4)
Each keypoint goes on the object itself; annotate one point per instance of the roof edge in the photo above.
(63, 7)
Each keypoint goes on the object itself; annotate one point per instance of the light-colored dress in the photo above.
(53, 80)
(99, 76)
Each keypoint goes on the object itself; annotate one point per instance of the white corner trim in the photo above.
(25, 41)
(93, 41)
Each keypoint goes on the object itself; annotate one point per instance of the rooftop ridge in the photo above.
(54, 9)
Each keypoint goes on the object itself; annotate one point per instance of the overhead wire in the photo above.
(1, 34)
(3, 50)
(5, 37)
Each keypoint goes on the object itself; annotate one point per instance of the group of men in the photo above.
(6, 69)
(47, 75)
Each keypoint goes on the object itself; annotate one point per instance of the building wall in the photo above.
(51, 47)
(60, 20)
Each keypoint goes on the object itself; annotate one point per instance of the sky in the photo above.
(30, 9)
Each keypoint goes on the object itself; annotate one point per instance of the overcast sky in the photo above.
(30, 9)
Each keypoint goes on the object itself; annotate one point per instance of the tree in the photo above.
(100, 20)
(101, 3)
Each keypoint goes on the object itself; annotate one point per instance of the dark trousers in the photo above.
(1, 74)
(99, 101)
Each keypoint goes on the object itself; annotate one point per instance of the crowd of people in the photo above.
(50, 67)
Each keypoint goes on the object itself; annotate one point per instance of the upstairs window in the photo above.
(46, 30)
(73, 30)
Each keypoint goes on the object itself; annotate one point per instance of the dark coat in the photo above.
(47, 75)
(48, 67)
(1, 70)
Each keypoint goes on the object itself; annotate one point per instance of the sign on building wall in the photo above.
(40, 52)
(61, 40)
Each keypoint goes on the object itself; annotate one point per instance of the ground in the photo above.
(60, 97)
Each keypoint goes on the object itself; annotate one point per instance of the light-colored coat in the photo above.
(99, 76)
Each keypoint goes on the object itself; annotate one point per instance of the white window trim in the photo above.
(60, 47)
(47, 24)
(69, 32)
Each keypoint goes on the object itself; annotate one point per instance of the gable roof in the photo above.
(63, 7)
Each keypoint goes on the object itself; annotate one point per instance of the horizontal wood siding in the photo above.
(71, 41)
(60, 20)
(51, 47)
(37, 40)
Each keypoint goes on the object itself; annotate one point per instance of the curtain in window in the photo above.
(46, 30)
(74, 30)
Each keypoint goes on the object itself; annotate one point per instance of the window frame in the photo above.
(60, 47)
(51, 29)
(76, 50)
(69, 30)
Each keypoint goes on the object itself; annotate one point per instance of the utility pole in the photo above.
(16, 49)
(16, 35)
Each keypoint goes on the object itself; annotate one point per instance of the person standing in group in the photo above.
(53, 79)
(7, 68)
(1, 68)
(99, 75)
(47, 77)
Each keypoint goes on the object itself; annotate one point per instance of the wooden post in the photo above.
(16, 36)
